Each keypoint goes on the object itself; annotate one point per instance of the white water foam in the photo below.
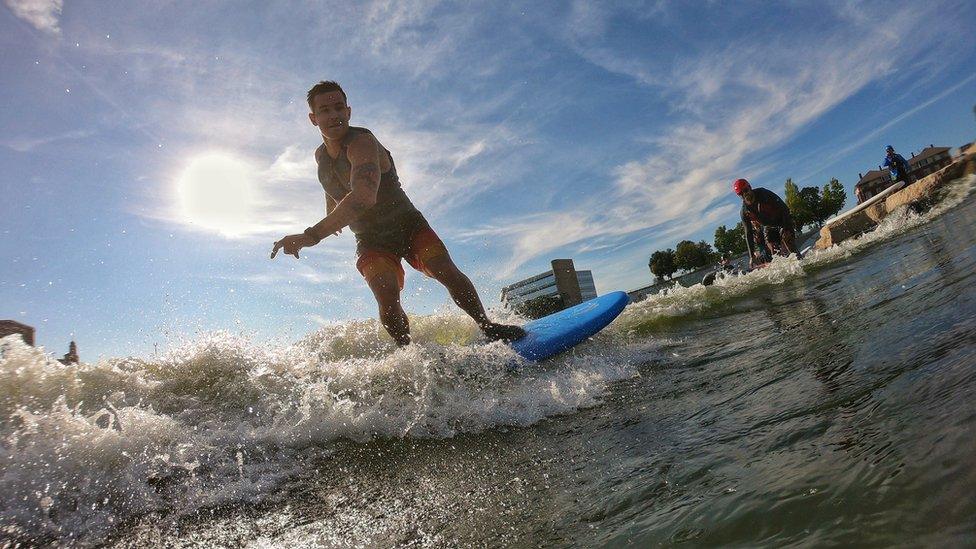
(224, 419)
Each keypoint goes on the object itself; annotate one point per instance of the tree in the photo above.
(800, 210)
(662, 263)
(707, 252)
(690, 256)
(810, 196)
(832, 200)
(731, 242)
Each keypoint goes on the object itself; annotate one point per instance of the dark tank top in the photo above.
(392, 212)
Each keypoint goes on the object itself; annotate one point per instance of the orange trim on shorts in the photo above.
(426, 245)
(374, 262)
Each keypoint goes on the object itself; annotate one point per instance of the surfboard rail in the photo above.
(554, 334)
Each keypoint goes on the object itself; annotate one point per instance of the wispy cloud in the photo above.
(43, 15)
(871, 135)
(730, 105)
(27, 144)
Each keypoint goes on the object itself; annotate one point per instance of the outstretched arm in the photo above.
(365, 182)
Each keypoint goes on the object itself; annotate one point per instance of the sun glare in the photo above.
(216, 192)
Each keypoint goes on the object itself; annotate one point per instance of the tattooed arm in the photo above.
(364, 180)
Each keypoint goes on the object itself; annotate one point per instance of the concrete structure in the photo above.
(572, 286)
(10, 327)
(854, 223)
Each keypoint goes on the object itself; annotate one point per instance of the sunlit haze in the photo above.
(217, 194)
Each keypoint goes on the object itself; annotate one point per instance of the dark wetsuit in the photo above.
(898, 167)
(771, 213)
(391, 223)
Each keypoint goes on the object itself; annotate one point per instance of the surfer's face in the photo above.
(331, 114)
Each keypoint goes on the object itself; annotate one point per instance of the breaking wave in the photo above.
(223, 419)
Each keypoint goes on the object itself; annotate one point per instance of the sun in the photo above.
(216, 192)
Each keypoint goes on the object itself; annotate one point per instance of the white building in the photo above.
(563, 280)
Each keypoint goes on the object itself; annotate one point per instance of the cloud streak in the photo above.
(43, 15)
(730, 105)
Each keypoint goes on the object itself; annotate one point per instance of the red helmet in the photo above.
(740, 186)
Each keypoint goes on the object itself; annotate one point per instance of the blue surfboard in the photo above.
(558, 332)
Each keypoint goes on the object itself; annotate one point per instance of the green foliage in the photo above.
(800, 209)
(832, 200)
(662, 263)
(731, 242)
(540, 306)
(810, 196)
(690, 256)
(812, 205)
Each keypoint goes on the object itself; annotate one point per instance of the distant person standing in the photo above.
(897, 166)
(768, 211)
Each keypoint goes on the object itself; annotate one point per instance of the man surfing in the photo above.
(363, 193)
(772, 216)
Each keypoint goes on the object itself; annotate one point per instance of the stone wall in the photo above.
(868, 218)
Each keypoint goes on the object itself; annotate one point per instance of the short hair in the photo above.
(325, 86)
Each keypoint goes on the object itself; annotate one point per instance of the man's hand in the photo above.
(291, 244)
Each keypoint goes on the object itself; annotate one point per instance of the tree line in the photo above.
(809, 205)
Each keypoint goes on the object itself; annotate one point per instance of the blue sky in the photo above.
(600, 131)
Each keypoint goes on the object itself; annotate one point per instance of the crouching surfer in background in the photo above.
(363, 192)
(771, 216)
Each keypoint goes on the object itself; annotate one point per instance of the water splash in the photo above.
(224, 419)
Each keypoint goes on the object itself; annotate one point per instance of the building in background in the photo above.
(11, 327)
(563, 286)
(929, 160)
(871, 183)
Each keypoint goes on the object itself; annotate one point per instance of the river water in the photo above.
(826, 402)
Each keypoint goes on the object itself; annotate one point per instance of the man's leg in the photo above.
(443, 269)
(788, 237)
(386, 290)
(384, 275)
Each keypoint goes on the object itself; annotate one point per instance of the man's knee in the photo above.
(443, 269)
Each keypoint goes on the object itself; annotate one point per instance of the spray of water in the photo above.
(225, 419)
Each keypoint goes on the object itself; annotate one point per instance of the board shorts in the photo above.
(414, 241)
